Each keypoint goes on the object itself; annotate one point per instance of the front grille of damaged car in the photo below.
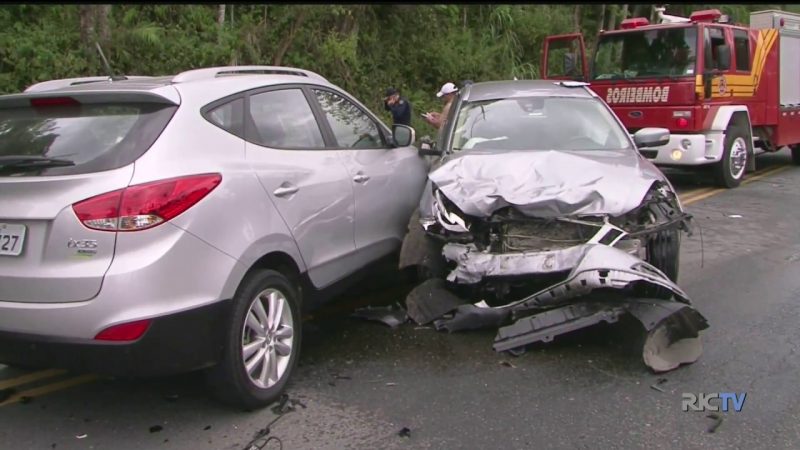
(542, 235)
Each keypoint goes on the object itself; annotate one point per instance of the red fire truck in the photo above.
(725, 91)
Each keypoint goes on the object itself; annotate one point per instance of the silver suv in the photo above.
(156, 225)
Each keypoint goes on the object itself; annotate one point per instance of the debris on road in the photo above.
(392, 315)
(156, 428)
(717, 422)
(508, 364)
(735, 216)
(431, 300)
(404, 432)
(82, 436)
(656, 387)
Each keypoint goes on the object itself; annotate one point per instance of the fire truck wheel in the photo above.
(730, 170)
(795, 153)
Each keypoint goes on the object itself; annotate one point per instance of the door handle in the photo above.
(360, 178)
(283, 191)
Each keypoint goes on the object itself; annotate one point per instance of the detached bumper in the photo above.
(687, 150)
(173, 344)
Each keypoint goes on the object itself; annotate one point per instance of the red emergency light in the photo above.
(706, 15)
(634, 22)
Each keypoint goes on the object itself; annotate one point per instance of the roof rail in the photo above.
(67, 82)
(214, 72)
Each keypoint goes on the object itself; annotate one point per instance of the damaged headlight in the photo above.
(449, 220)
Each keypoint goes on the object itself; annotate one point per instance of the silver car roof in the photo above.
(211, 83)
(491, 90)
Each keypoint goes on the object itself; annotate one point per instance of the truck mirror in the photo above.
(724, 57)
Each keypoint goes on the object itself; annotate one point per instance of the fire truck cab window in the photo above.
(741, 42)
(714, 38)
(667, 52)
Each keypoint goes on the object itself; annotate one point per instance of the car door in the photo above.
(387, 181)
(304, 178)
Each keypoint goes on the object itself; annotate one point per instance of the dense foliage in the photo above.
(362, 48)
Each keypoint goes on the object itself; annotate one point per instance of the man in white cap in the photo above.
(448, 94)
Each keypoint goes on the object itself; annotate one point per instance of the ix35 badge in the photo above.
(84, 247)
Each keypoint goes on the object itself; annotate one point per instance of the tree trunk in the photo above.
(602, 21)
(576, 18)
(86, 15)
(103, 15)
(624, 12)
(288, 38)
(612, 17)
(465, 16)
(221, 15)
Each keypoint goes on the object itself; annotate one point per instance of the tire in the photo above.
(230, 381)
(663, 252)
(795, 154)
(729, 171)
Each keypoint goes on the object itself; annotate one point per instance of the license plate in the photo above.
(12, 237)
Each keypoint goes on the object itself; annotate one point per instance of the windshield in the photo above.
(92, 137)
(650, 53)
(538, 123)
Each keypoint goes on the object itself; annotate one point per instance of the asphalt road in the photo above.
(360, 383)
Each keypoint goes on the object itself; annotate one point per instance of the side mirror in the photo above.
(428, 148)
(651, 137)
(724, 57)
(403, 135)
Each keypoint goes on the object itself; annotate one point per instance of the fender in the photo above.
(722, 119)
(272, 243)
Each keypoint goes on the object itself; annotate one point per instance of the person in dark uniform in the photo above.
(399, 107)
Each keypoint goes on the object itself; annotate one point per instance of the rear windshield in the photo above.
(92, 137)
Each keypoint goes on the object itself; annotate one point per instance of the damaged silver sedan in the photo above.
(540, 217)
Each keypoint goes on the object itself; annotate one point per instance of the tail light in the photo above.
(146, 205)
(130, 331)
(53, 101)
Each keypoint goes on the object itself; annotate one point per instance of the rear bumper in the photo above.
(175, 343)
(687, 150)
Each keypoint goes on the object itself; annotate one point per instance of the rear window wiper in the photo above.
(32, 162)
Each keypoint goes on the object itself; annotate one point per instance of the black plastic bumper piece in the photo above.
(172, 344)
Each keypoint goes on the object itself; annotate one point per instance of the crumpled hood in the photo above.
(546, 183)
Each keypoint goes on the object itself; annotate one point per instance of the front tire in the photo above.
(262, 342)
(663, 252)
(729, 172)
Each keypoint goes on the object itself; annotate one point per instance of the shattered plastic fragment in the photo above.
(672, 328)
(431, 300)
(545, 326)
(471, 317)
(392, 316)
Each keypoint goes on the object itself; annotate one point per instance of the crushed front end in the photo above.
(538, 277)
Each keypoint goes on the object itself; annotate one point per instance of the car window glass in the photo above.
(229, 116)
(742, 44)
(283, 119)
(351, 127)
(94, 137)
(538, 123)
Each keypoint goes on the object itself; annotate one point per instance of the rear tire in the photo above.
(254, 337)
(663, 252)
(795, 153)
(729, 171)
